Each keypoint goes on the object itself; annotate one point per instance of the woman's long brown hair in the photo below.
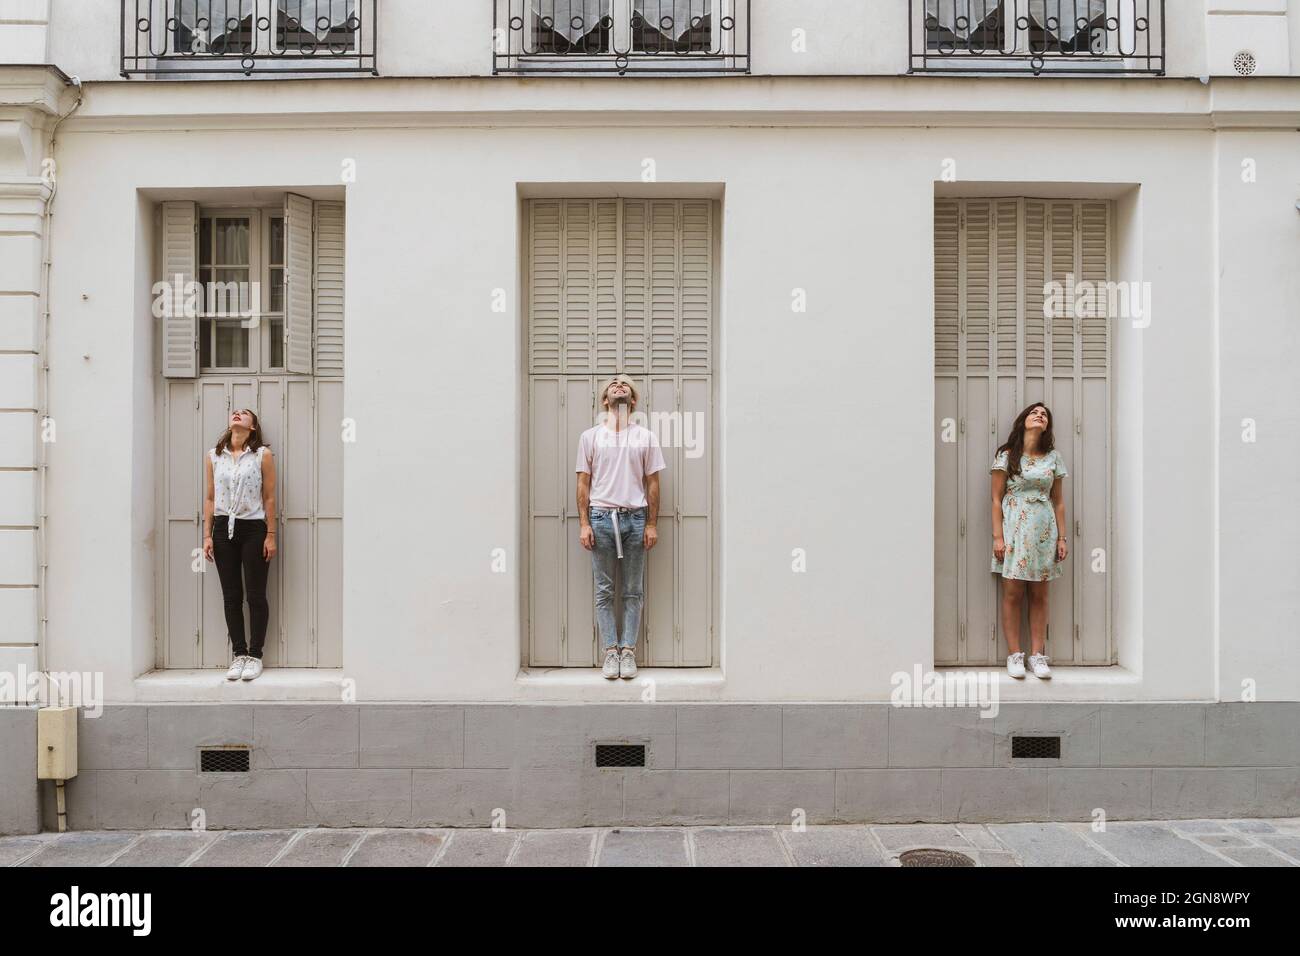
(1015, 446)
(254, 441)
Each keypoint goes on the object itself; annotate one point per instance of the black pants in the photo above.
(241, 566)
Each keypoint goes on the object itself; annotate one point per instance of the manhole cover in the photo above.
(935, 858)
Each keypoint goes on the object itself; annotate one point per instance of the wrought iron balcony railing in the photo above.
(161, 37)
(620, 36)
(1038, 36)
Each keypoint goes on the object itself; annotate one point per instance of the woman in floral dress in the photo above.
(1029, 542)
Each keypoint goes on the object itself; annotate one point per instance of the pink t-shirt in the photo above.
(619, 463)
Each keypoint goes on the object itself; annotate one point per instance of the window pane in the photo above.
(277, 241)
(679, 26)
(571, 26)
(311, 24)
(229, 294)
(275, 302)
(277, 343)
(232, 242)
(205, 241)
(232, 345)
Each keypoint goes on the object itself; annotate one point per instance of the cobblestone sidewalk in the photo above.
(1155, 843)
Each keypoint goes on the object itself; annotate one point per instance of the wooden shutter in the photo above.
(608, 287)
(620, 285)
(578, 302)
(180, 324)
(1008, 333)
(696, 312)
(636, 285)
(544, 286)
(947, 413)
(329, 288)
(298, 254)
(663, 286)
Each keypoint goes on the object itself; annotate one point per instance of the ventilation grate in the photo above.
(1244, 63)
(928, 857)
(1036, 748)
(620, 755)
(224, 759)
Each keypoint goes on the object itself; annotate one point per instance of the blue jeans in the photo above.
(606, 565)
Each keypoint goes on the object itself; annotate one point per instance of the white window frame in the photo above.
(267, 316)
(259, 271)
(211, 321)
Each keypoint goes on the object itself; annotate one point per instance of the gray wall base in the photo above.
(532, 765)
(19, 793)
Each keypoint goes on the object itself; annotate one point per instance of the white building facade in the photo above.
(839, 246)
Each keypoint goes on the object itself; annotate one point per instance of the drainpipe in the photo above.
(43, 385)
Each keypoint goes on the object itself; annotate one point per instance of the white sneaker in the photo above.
(610, 670)
(1038, 664)
(252, 668)
(627, 663)
(236, 668)
(1016, 665)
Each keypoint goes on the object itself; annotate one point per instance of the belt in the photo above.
(618, 537)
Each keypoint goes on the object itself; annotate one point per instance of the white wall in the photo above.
(1259, 351)
(843, 37)
(826, 431)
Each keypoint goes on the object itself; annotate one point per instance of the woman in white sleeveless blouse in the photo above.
(239, 533)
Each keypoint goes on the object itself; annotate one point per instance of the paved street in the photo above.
(1158, 843)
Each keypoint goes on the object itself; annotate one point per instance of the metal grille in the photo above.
(1037, 37)
(1036, 748)
(161, 37)
(625, 36)
(224, 760)
(928, 857)
(620, 755)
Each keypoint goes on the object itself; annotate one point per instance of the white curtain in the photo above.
(317, 17)
(682, 13)
(975, 12)
(572, 19)
(1067, 13)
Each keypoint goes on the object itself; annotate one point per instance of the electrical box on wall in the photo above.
(56, 743)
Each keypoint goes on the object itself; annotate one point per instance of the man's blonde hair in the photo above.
(626, 380)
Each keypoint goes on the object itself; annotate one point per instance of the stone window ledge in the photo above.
(275, 684)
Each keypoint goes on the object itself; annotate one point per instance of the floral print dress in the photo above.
(1029, 520)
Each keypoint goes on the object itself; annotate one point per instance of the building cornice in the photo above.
(832, 101)
(39, 88)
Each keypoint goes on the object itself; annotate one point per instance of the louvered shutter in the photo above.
(1035, 246)
(1090, 470)
(180, 324)
(609, 287)
(1064, 274)
(544, 287)
(620, 285)
(578, 302)
(663, 286)
(329, 287)
(298, 255)
(945, 286)
(947, 378)
(1008, 333)
(696, 312)
(636, 285)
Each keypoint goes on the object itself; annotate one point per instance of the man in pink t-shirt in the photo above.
(618, 504)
